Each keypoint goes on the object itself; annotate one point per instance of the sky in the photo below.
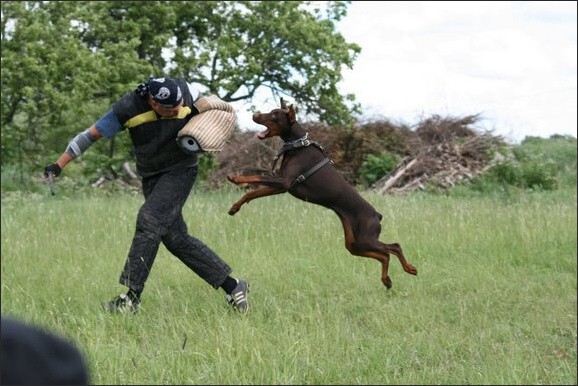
(513, 63)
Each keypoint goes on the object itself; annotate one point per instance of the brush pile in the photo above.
(448, 151)
(438, 152)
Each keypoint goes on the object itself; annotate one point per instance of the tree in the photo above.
(45, 69)
(281, 46)
(64, 63)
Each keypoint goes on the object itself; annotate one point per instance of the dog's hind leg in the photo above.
(357, 248)
(385, 279)
(384, 260)
(396, 250)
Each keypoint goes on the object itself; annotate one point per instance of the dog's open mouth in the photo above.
(263, 134)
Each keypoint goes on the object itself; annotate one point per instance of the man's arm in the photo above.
(75, 148)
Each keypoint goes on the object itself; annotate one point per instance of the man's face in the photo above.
(163, 110)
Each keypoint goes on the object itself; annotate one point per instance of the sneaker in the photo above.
(121, 304)
(238, 298)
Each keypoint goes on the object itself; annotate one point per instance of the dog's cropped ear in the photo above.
(292, 115)
(283, 105)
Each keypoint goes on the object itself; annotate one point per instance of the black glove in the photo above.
(53, 169)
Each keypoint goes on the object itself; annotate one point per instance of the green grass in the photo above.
(494, 301)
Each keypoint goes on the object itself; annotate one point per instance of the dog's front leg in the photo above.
(267, 191)
(276, 181)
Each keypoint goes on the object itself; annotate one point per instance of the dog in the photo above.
(308, 174)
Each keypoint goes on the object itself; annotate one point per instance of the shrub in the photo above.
(540, 176)
(374, 167)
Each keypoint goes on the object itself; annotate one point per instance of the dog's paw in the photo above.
(410, 269)
(232, 178)
(387, 282)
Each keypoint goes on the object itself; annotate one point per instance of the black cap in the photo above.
(165, 91)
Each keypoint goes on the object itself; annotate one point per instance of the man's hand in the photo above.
(52, 169)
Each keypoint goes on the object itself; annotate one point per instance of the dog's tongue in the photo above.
(263, 134)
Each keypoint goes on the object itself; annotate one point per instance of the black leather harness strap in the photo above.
(299, 143)
(302, 177)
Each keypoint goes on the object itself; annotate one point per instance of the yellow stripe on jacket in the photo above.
(151, 116)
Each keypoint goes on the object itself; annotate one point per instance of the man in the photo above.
(153, 114)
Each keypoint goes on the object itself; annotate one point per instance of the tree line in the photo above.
(65, 62)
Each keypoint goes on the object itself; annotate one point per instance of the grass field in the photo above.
(494, 301)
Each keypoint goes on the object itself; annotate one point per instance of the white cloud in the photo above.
(513, 62)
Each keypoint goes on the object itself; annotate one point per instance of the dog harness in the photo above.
(297, 144)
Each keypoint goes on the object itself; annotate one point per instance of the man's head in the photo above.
(165, 91)
(166, 96)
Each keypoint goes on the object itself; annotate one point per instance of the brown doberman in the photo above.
(307, 173)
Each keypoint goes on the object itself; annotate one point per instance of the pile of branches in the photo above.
(246, 154)
(439, 152)
(449, 151)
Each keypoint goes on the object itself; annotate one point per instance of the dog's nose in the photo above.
(256, 116)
